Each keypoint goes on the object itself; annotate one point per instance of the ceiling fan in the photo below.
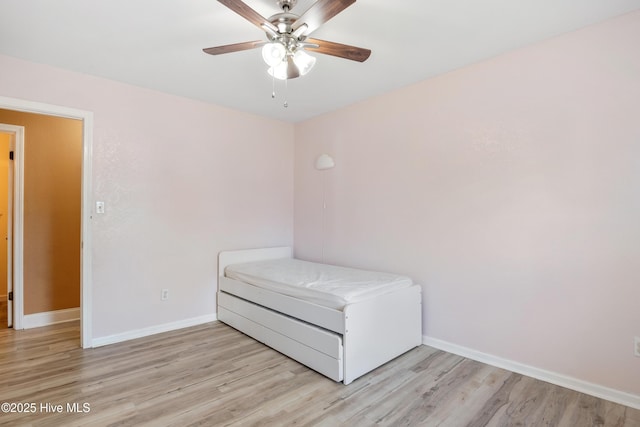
(288, 37)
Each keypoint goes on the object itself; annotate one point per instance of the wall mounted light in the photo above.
(324, 161)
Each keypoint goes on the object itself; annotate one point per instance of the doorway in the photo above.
(6, 227)
(11, 149)
(86, 119)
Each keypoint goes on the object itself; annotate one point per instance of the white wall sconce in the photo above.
(324, 161)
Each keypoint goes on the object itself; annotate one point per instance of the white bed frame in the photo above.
(340, 344)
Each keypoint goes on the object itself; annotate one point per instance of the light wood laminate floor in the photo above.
(4, 314)
(213, 375)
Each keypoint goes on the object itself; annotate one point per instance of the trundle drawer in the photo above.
(317, 348)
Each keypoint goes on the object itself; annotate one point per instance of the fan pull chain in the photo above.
(286, 92)
(273, 85)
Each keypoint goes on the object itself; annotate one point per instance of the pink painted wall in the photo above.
(182, 181)
(509, 189)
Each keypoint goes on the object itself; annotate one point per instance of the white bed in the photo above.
(340, 322)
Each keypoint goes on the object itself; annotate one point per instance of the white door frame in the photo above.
(11, 181)
(86, 336)
(14, 225)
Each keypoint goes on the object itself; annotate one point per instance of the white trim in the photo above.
(592, 389)
(12, 188)
(16, 311)
(152, 330)
(86, 287)
(18, 230)
(16, 104)
(87, 193)
(47, 318)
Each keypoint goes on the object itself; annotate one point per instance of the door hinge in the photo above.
(10, 297)
(10, 155)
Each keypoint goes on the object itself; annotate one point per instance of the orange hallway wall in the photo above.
(52, 198)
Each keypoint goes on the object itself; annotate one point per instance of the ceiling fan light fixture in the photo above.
(274, 53)
(287, 34)
(296, 65)
(304, 61)
(280, 71)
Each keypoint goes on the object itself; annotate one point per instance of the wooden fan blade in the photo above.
(321, 12)
(237, 47)
(247, 13)
(338, 49)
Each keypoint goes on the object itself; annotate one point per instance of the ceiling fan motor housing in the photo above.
(283, 22)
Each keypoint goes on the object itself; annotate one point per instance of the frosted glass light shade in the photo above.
(279, 71)
(304, 61)
(273, 53)
(285, 70)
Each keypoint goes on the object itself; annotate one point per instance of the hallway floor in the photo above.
(3, 315)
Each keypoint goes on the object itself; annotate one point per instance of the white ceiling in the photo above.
(158, 44)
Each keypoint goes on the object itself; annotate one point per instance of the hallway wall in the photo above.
(52, 185)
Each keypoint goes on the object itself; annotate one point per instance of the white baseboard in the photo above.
(596, 390)
(47, 318)
(152, 330)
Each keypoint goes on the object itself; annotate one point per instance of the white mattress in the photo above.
(327, 285)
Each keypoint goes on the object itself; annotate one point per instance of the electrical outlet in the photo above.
(637, 346)
(165, 295)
